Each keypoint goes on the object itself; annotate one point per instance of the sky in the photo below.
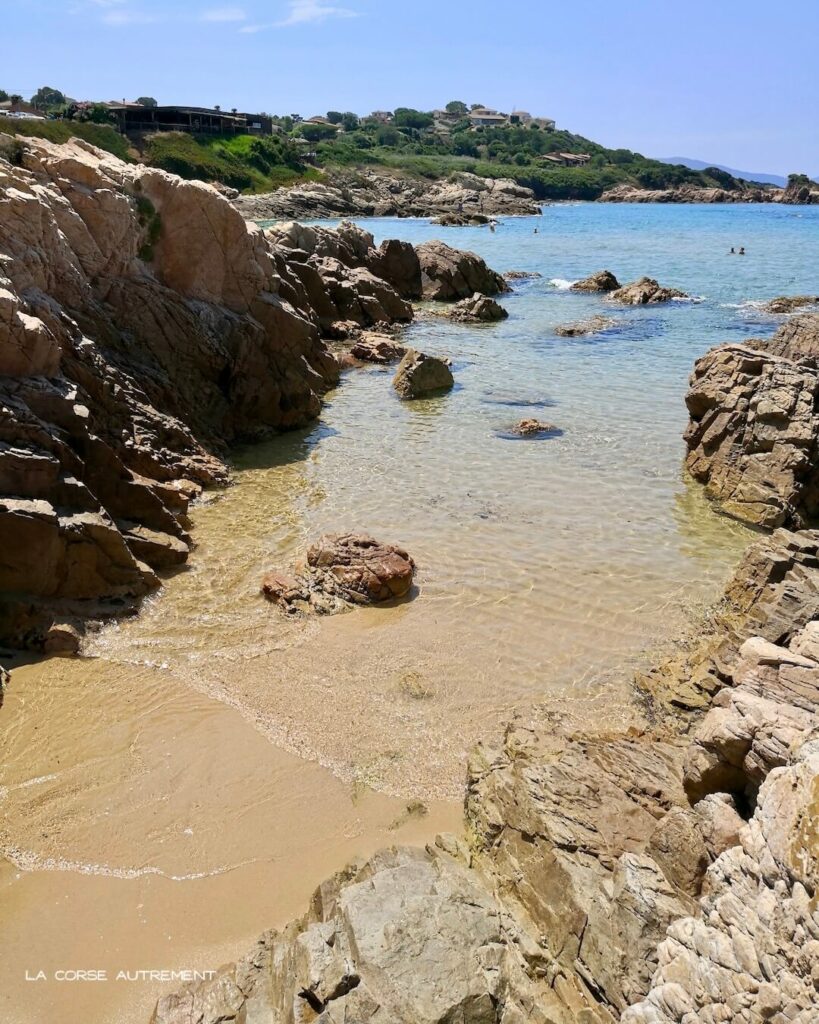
(727, 81)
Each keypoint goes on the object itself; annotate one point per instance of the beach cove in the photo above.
(200, 743)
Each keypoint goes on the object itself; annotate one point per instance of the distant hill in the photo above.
(700, 165)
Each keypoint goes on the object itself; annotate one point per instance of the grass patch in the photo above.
(248, 163)
(99, 135)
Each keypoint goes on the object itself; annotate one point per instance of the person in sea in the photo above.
(733, 251)
(742, 250)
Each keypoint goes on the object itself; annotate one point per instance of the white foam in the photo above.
(28, 860)
(561, 284)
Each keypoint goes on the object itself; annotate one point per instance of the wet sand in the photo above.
(149, 828)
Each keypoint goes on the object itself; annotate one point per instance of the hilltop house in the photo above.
(481, 117)
(194, 120)
(381, 117)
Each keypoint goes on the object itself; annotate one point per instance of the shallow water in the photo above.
(214, 754)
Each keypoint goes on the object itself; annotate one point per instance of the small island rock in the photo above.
(644, 291)
(602, 281)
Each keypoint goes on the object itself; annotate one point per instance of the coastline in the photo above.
(566, 938)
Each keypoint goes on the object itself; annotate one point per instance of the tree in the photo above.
(457, 107)
(317, 132)
(16, 97)
(3, 95)
(350, 121)
(147, 101)
(406, 117)
(47, 98)
(334, 116)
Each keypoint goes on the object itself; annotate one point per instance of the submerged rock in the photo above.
(594, 325)
(602, 281)
(419, 375)
(644, 291)
(790, 303)
(533, 428)
(340, 570)
(522, 275)
(477, 309)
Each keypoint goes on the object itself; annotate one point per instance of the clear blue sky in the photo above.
(731, 81)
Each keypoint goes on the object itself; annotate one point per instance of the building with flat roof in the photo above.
(194, 120)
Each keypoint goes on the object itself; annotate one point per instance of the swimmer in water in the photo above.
(733, 251)
(742, 250)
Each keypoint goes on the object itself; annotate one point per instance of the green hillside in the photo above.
(410, 145)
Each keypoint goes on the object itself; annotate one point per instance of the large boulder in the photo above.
(419, 375)
(602, 281)
(645, 291)
(449, 274)
(753, 427)
(341, 570)
(410, 937)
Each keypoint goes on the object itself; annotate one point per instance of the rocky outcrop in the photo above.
(410, 936)
(467, 197)
(800, 191)
(605, 886)
(753, 429)
(450, 274)
(144, 327)
(601, 281)
(594, 325)
(645, 291)
(691, 194)
(751, 952)
(477, 309)
(790, 303)
(419, 375)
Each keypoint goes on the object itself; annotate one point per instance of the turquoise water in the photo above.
(545, 568)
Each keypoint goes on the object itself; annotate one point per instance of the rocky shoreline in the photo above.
(461, 198)
(664, 872)
(467, 199)
(144, 328)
